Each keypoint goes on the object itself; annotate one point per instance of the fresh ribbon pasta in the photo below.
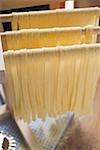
(34, 38)
(50, 81)
(56, 18)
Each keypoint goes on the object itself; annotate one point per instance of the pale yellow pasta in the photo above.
(51, 81)
(56, 18)
(34, 38)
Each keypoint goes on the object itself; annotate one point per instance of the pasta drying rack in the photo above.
(29, 137)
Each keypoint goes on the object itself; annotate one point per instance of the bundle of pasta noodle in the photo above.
(38, 38)
(50, 81)
(56, 18)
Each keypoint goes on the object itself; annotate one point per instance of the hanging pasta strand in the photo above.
(31, 84)
(34, 38)
(51, 81)
(56, 18)
(92, 75)
(15, 20)
(39, 82)
(9, 80)
(23, 20)
(79, 80)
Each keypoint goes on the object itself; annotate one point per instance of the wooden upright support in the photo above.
(2, 67)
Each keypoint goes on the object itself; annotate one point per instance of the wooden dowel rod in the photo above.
(95, 29)
(2, 66)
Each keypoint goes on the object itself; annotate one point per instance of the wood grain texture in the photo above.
(86, 3)
(11, 4)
